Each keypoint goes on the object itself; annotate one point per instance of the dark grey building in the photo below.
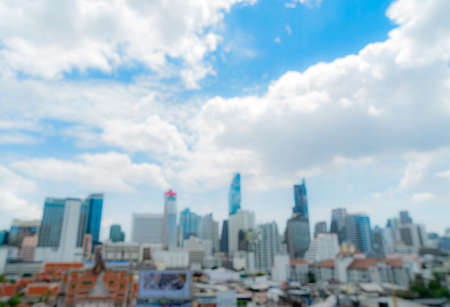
(320, 227)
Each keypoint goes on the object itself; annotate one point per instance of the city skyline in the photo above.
(351, 96)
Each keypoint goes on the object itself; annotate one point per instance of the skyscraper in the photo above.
(60, 228)
(338, 223)
(267, 245)
(94, 203)
(235, 194)
(189, 223)
(169, 227)
(116, 234)
(241, 220)
(209, 230)
(300, 200)
(320, 227)
(51, 224)
(297, 235)
(405, 218)
(359, 232)
(147, 228)
(224, 237)
(65, 222)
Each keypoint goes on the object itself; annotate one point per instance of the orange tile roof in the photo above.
(325, 264)
(393, 262)
(8, 289)
(363, 264)
(298, 261)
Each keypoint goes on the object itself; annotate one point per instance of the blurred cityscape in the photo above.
(174, 258)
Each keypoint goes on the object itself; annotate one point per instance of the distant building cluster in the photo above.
(60, 252)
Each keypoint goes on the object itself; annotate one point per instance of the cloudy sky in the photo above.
(132, 97)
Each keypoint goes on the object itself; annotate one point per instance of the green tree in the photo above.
(311, 277)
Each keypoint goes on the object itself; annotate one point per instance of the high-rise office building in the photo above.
(116, 234)
(94, 203)
(359, 232)
(413, 236)
(267, 245)
(300, 200)
(20, 229)
(147, 228)
(241, 220)
(59, 231)
(297, 235)
(338, 223)
(224, 237)
(169, 227)
(320, 227)
(51, 224)
(235, 194)
(209, 230)
(189, 223)
(405, 218)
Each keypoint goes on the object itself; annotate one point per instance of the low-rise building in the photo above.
(324, 270)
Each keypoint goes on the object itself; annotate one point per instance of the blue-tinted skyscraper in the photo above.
(358, 231)
(169, 233)
(116, 234)
(300, 200)
(298, 236)
(94, 203)
(51, 224)
(190, 223)
(89, 221)
(234, 197)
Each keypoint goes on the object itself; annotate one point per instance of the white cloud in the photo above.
(310, 3)
(288, 29)
(444, 174)
(153, 136)
(381, 101)
(414, 172)
(106, 172)
(277, 40)
(11, 204)
(84, 34)
(422, 197)
(391, 101)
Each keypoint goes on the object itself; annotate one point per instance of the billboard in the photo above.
(174, 285)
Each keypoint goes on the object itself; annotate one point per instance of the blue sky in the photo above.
(133, 98)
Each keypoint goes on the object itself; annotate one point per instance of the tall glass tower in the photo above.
(235, 194)
(300, 200)
(51, 223)
(358, 231)
(169, 233)
(298, 235)
(190, 223)
(94, 204)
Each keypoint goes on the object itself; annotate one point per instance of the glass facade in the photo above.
(359, 232)
(190, 223)
(235, 194)
(51, 224)
(116, 234)
(338, 223)
(94, 203)
(300, 200)
(20, 229)
(224, 237)
(298, 236)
